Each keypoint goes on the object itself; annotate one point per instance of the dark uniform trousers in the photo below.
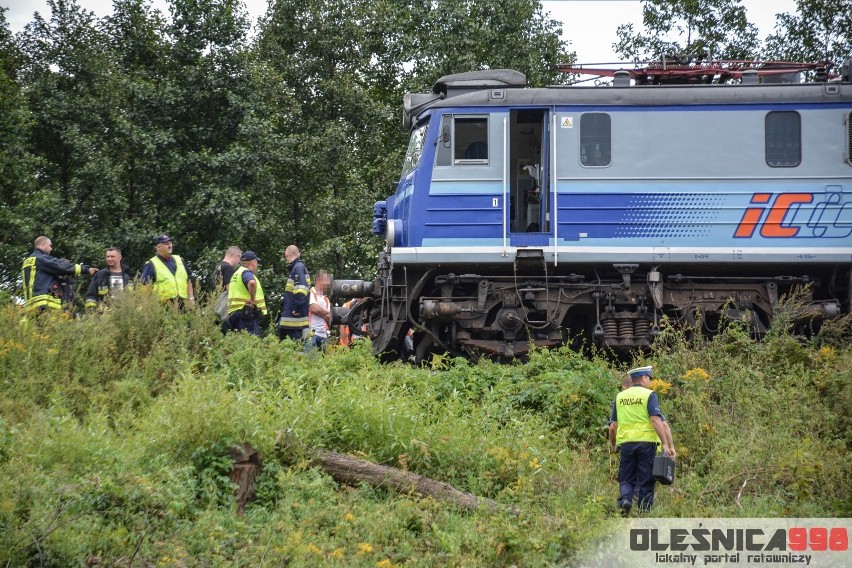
(635, 473)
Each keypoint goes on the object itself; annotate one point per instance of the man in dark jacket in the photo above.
(44, 276)
(293, 322)
(222, 279)
(110, 280)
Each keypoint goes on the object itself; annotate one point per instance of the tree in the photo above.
(141, 142)
(689, 30)
(348, 64)
(820, 30)
(345, 139)
(18, 166)
(464, 35)
(135, 124)
(64, 76)
(204, 199)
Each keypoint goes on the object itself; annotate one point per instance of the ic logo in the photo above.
(773, 226)
(816, 215)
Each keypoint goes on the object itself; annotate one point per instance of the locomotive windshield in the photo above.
(415, 149)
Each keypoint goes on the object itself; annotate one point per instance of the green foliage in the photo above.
(138, 124)
(689, 30)
(117, 427)
(817, 31)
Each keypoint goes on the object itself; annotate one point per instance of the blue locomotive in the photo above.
(544, 216)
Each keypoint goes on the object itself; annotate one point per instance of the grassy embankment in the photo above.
(115, 429)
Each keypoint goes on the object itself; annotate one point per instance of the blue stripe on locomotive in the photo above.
(620, 213)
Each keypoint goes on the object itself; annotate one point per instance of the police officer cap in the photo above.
(639, 371)
(249, 255)
(163, 239)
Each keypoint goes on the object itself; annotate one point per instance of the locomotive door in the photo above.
(529, 195)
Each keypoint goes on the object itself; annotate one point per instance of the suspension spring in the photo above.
(610, 327)
(642, 327)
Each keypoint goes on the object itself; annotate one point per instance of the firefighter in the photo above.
(169, 274)
(109, 281)
(637, 420)
(293, 322)
(45, 277)
(246, 303)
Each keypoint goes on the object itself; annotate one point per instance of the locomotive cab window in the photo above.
(783, 139)
(415, 149)
(595, 139)
(463, 140)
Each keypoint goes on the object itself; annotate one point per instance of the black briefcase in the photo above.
(664, 469)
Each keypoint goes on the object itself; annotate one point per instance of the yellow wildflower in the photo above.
(349, 517)
(534, 464)
(364, 548)
(696, 374)
(311, 547)
(498, 453)
(660, 386)
(386, 563)
(827, 352)
(336, 553)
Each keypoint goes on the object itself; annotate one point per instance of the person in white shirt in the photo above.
(319, 311)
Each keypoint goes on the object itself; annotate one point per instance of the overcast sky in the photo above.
(589, 24)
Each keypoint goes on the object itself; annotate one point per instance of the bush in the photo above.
(116, 429)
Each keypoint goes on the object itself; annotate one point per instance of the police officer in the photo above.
(44, 276)
(110, 280)
(245, 297)
(626, 383)
(639, 429)
(171, 277)
(293, 322)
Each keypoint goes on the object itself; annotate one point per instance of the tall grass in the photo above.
(115, 429)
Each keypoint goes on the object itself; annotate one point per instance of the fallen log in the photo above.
(352, 471)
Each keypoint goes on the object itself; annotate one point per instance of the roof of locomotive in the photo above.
(652, 95)
(506, 88)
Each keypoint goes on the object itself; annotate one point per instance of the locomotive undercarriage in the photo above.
(503, 315)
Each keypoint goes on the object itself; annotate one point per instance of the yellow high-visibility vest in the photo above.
(170, 286)
(238, 293)
(634, 423)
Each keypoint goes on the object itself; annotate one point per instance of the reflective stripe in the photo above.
(293, 322)
(47, 300)
(28, 274)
